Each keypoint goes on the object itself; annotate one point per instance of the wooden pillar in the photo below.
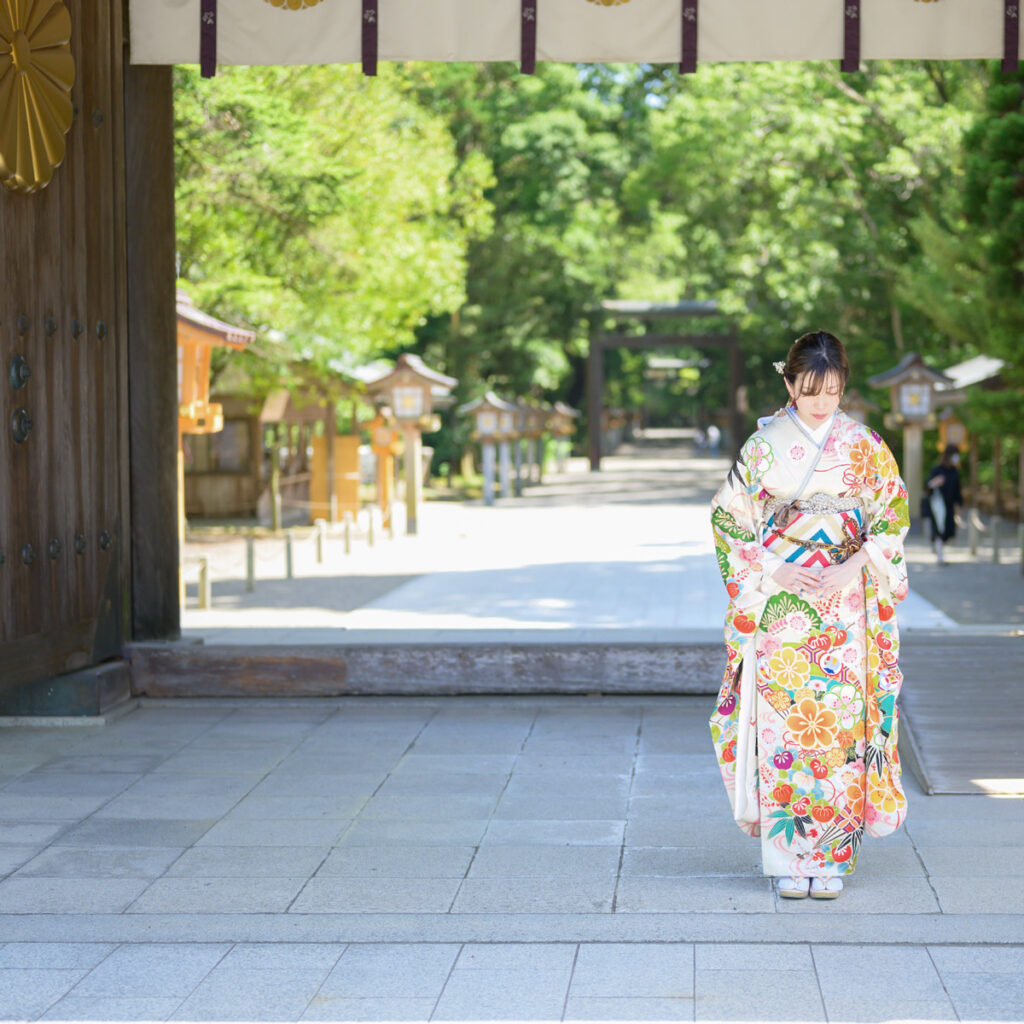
(913, 470)
(413, 477)
(152, 352)
(595, 400)
(997, 471)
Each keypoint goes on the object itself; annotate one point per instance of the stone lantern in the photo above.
(412, 390)
(912, 393)
(494, 424)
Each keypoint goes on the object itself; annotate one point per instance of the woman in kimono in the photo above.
(809, 529)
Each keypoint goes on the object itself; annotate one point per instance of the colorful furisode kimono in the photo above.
(806, 722)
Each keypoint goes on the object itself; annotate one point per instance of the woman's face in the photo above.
(813, 410)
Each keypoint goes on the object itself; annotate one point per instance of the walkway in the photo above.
(465, 859)
(624, 555)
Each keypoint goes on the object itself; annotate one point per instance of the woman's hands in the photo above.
(835, 577)
(799, 579)
(809, 582)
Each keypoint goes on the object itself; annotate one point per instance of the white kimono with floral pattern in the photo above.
(806, 720)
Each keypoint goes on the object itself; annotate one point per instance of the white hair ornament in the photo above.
(780, 366)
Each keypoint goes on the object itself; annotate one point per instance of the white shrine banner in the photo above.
(648, 31)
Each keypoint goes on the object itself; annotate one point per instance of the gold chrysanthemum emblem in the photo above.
(609, 3)
(36, 75)
(293, 5)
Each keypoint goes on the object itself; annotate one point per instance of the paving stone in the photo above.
(633, 970)
(54, 955)
(436, 832)
(218, 895)
(390, 970)
(517, 832)
(27, 993)
(436, 785)
(879, 859)
(564, 808)
(753, 956)
(687, 832)
(735, 995)
(367, 765)
(577, 787)
(420, 808)
(136, 807)
(661, 895)
(691, 861)
(392, 1008)
(962, 860)
(248, 862)
(68, 895)
(251, 995)
(99, 862)
(904, 984)
(61, 808)
(221, 762)
(964, 896)
(29, 832)
(64, 784)
(136, 832)
(278, 832)
(283, 956)
(398, 861)
(558, 763)
(978, 959)
(112, 1008)
(448, 764)
(341, 895)
(563, 895)
(128, 764)
(497, 861)
(516, 956)
(984, 833)
(299, 784)
(490, 994)
(12, 857)
(288, 808)
(152, 970)
(622, 1009)
(978, 995)
(871, 896)
(176, 784)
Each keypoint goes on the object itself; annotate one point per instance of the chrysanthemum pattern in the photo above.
(37, 72)
(294, 5)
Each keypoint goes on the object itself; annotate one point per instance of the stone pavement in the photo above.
(465, 859)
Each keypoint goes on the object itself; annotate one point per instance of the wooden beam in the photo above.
(663, 340)
(152, 351)
(595, 400)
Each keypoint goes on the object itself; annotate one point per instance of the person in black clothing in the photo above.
(943, 498)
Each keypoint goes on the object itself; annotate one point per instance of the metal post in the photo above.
(289, 555)
(204, 582)
(321, 535)
(250, 565)
(996, 523)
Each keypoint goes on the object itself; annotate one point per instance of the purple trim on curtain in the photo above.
(528, 37)
(208, 38)
(851, 35)
(1011, 37)
(369, 37)
(688, 65)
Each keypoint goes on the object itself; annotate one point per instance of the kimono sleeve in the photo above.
(888, 517)
(745, 565)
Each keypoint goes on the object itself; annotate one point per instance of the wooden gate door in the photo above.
(64, 594)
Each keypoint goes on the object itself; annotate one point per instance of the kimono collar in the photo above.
(816, 437)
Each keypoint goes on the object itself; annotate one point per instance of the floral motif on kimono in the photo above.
(806, 722)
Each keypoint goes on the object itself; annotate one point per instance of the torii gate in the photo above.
(88, 476)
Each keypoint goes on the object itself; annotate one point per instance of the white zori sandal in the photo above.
(826, 888)
(793, 888)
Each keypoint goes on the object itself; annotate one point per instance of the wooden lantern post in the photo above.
(411, 390)
(562, 425)
(912, 388)
(198, 335)
(386, 444)
(489, 413)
